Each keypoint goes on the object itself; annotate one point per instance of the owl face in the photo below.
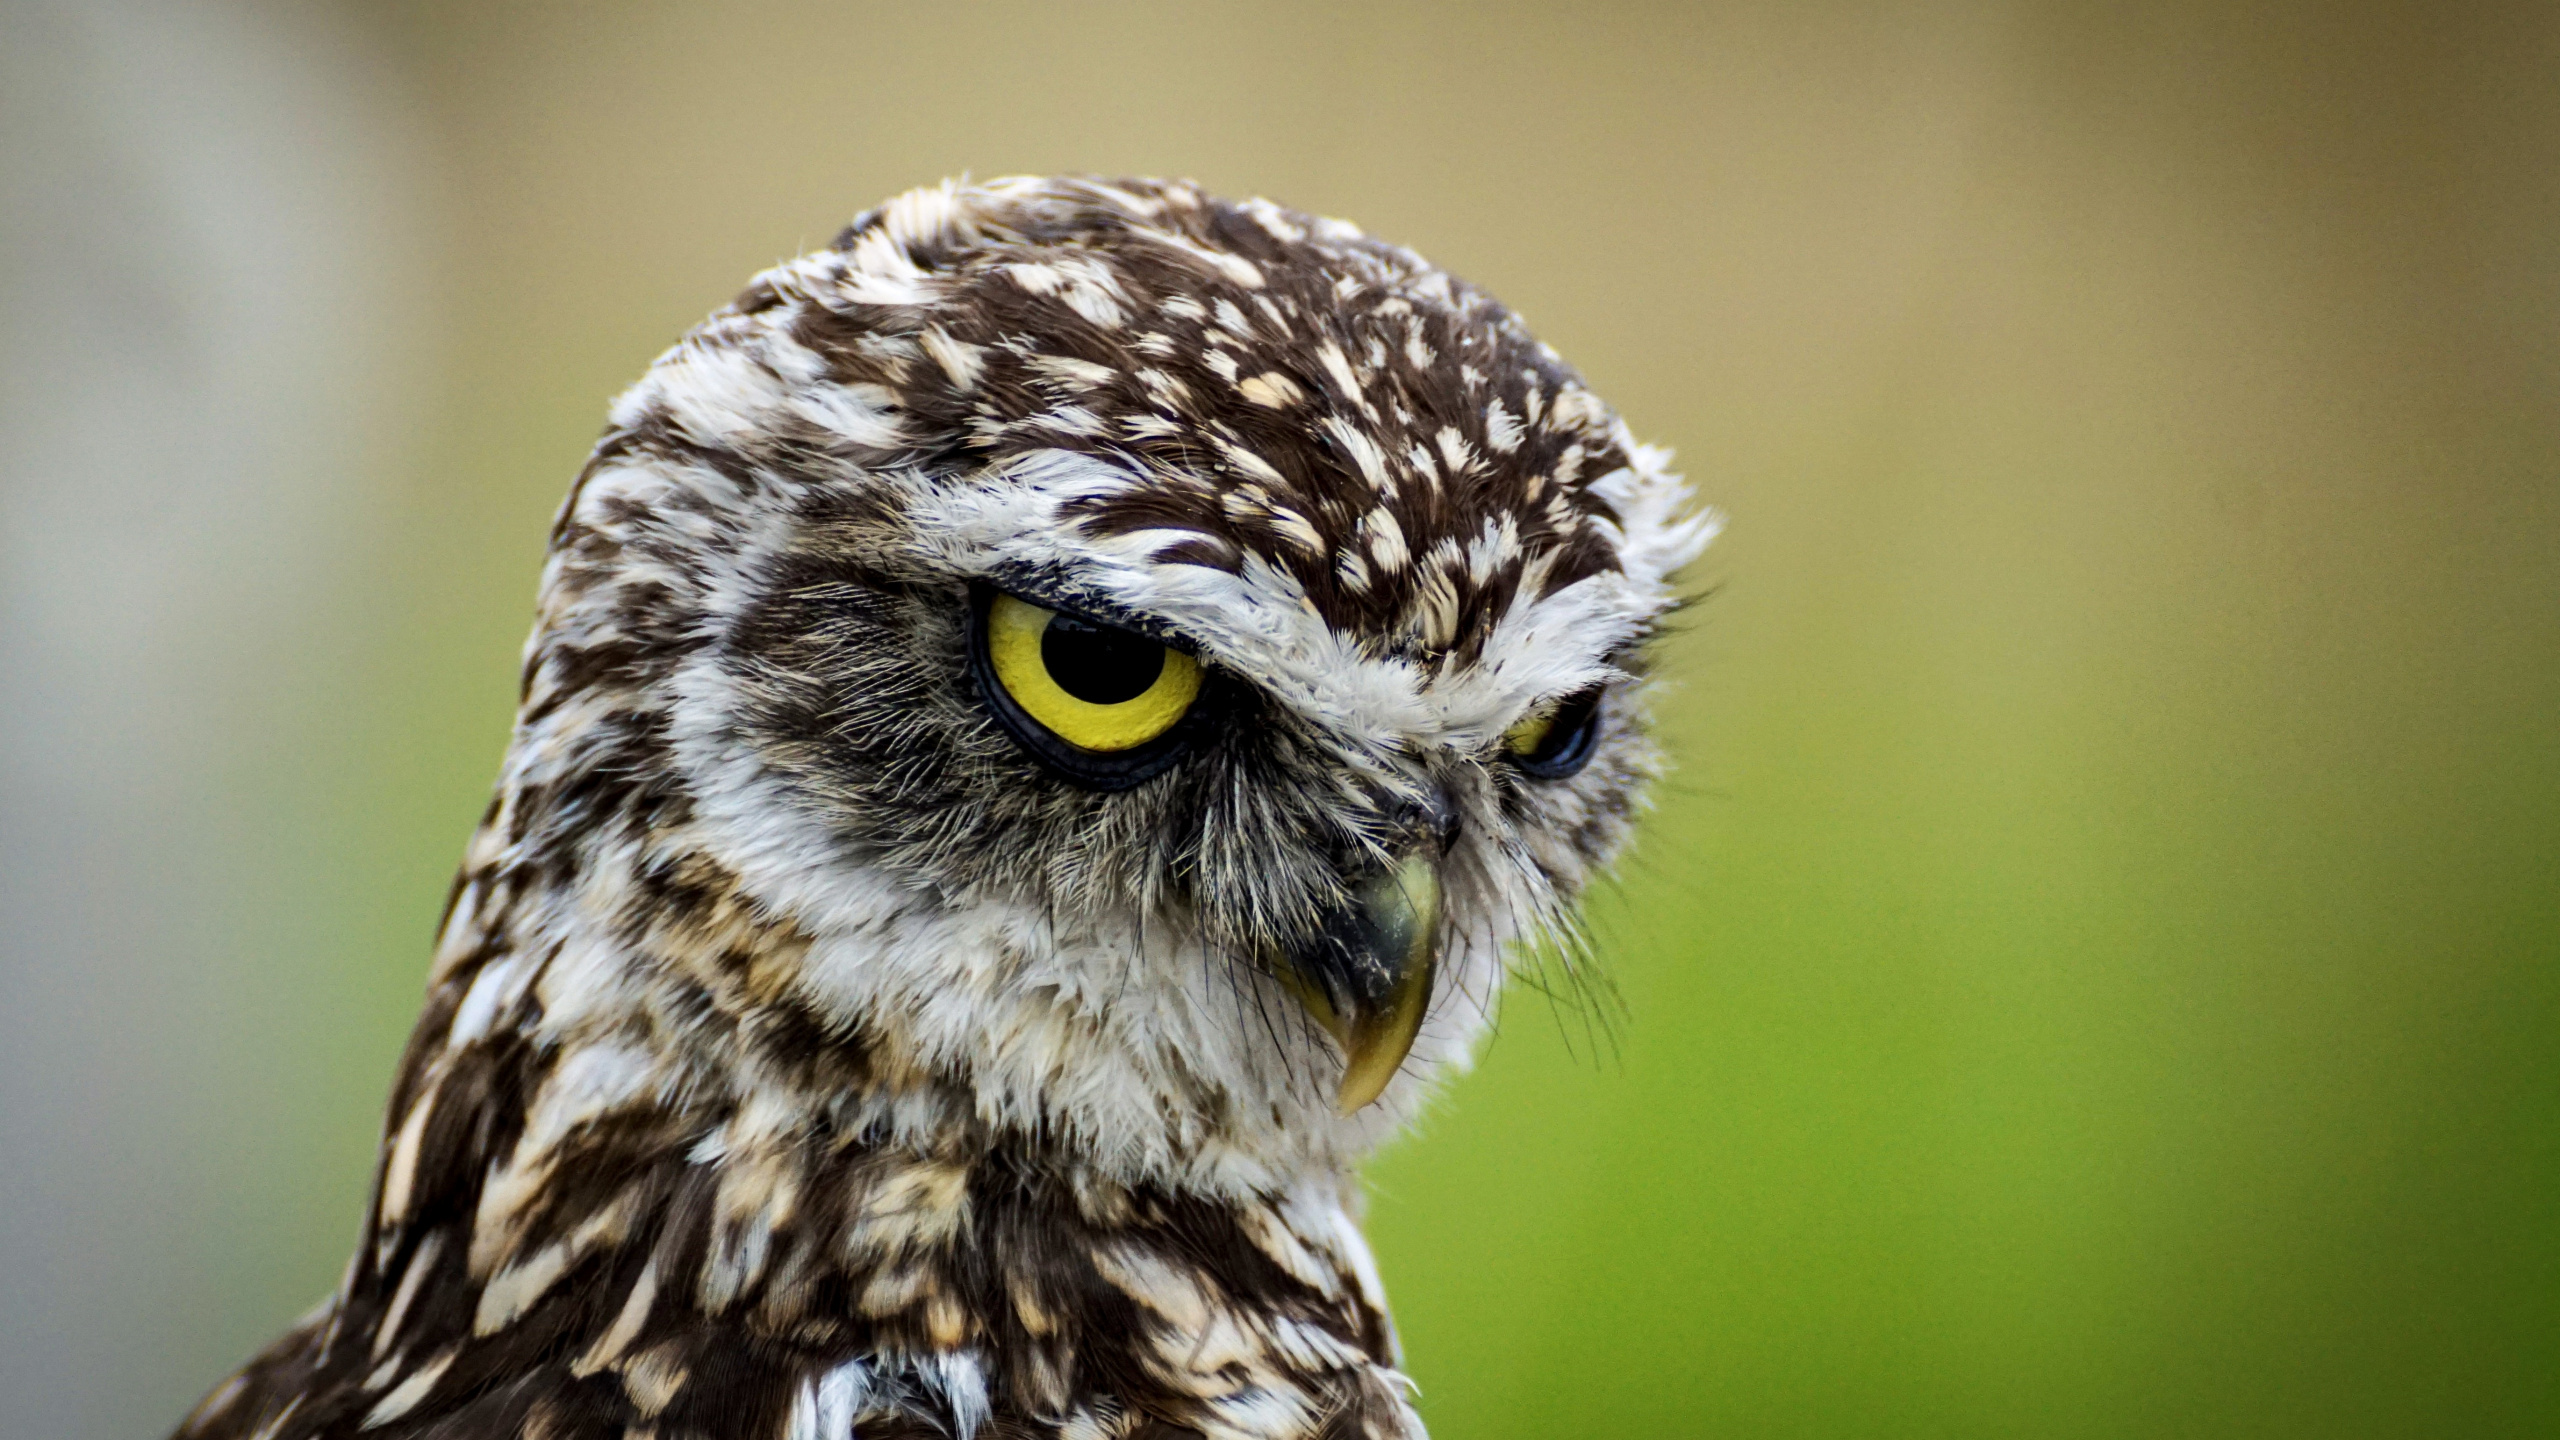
(1143, 661)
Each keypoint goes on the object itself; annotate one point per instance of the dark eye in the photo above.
(1555, 740)
(1100, 705)
(1102, 667)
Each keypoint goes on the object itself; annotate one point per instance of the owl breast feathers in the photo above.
(1043, 723)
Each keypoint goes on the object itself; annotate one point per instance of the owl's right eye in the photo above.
(1101, 705)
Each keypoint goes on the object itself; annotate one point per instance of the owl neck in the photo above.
(614, 1145)
(644, 985)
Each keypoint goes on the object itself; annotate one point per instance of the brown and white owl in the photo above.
(1046, 722)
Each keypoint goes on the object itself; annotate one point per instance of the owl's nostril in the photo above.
(1430, 819)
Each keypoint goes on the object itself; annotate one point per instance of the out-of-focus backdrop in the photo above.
(2095, 973)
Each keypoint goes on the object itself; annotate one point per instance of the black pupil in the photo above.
(1099, 666)
(1565, 731)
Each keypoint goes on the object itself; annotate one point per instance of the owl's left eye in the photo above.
(1101, 705)
(1556, 740)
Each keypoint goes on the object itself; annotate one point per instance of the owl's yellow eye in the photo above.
(1097, 688)
(1555, 740)
(1532, 731)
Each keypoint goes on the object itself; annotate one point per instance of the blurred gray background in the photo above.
(2096, 972)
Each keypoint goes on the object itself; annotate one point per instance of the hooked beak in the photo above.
(1366, 978)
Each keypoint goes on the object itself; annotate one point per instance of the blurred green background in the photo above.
(2096, 971)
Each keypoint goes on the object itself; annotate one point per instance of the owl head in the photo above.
(1128, 666)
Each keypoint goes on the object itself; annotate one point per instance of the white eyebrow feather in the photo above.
(1257, 619)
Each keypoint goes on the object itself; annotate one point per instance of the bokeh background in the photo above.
(2095, 973)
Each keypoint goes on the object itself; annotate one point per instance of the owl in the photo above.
(1046, 723)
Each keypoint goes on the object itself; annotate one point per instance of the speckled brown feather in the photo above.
(1083, 1295)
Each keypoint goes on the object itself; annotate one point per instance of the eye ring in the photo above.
(1552, 743)
(1149, 722)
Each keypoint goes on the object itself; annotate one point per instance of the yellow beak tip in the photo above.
(1379, 1043)
(1376, 1040)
